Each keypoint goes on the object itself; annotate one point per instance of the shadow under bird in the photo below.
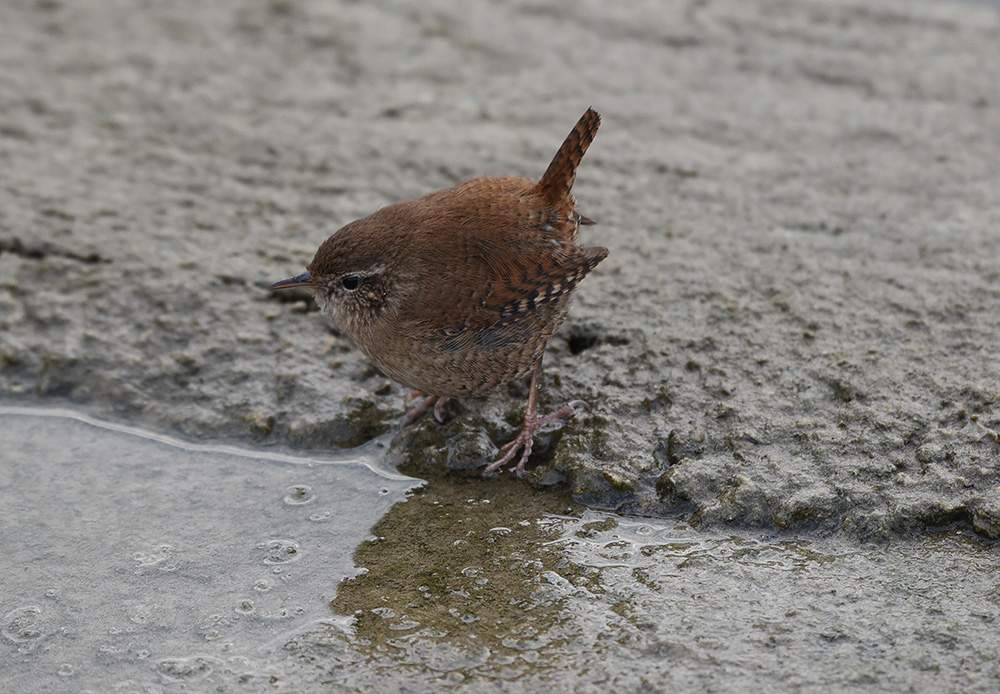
(456, 293)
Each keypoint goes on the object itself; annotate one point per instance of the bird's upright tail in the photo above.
(555, 185)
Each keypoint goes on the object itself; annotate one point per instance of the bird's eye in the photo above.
(351, 282)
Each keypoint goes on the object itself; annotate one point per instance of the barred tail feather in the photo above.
(555, 185)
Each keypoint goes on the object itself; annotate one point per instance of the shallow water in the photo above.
(139, 563)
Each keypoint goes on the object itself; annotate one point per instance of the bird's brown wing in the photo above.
(504, 305)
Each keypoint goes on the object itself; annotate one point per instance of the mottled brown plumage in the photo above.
(457, 292)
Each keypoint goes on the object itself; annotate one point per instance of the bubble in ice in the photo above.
(161, 556)
(24, 624)
(279, 551)
(299, 494)
(184, 669)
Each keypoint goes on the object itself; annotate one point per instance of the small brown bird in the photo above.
(456, 293)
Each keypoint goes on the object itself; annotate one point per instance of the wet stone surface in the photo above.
(642, 605)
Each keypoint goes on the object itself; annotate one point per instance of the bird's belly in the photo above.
(463, 363)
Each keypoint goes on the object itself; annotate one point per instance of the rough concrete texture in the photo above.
(797, 325)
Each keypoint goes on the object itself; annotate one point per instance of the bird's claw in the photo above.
(525, 438)
(420, 410)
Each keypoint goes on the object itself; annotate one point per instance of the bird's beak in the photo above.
(303, 280)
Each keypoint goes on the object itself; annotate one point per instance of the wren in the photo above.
(456, 293)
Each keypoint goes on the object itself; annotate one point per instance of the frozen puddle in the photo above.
(129, 560)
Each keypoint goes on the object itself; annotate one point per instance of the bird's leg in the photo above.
(417, 412)
(532, 422)
(414, 394)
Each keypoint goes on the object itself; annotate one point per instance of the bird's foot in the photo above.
(525, 437)
(417, 412)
